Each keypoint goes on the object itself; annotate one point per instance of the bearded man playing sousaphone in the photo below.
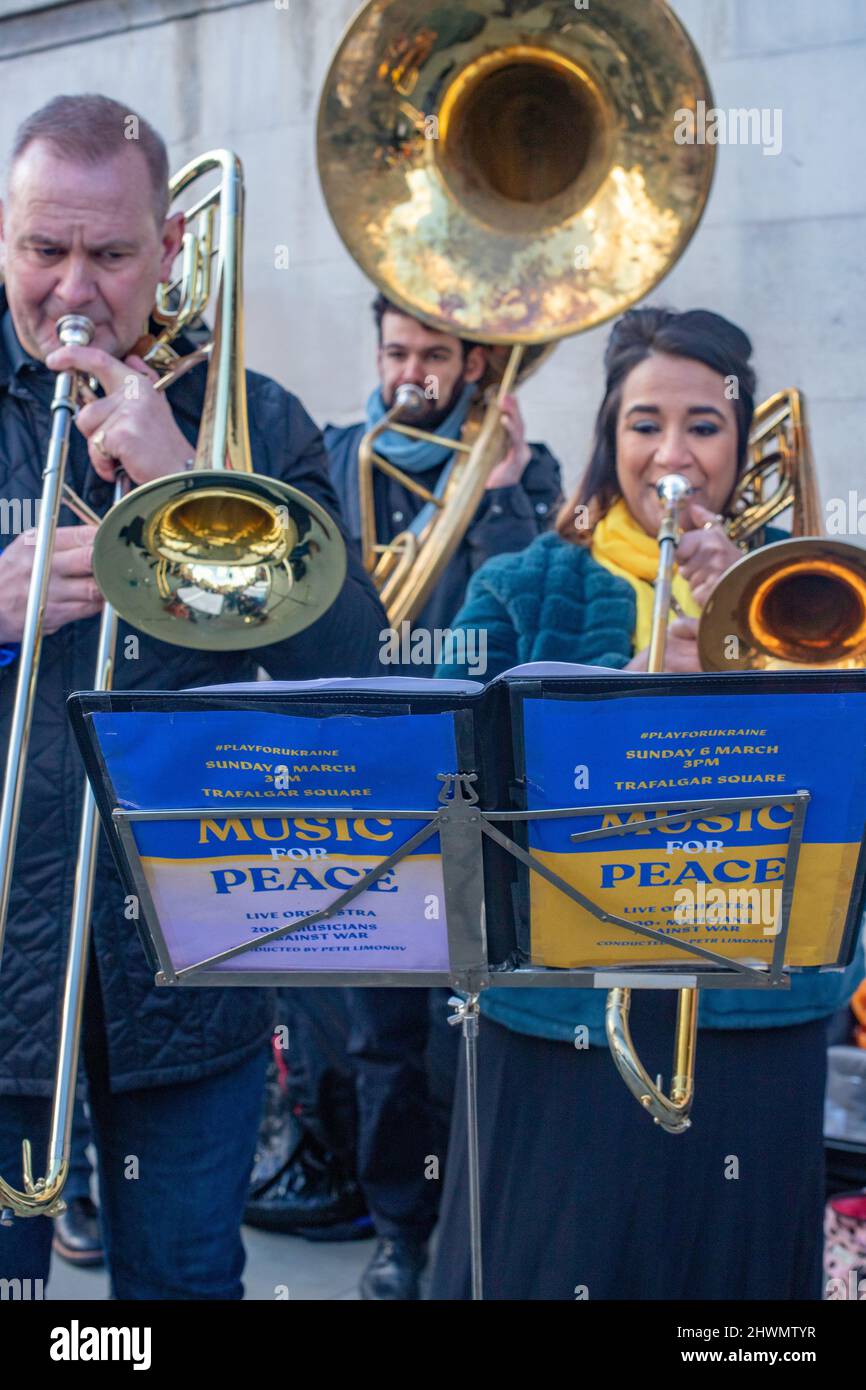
(175, 1078)
(400, 1055)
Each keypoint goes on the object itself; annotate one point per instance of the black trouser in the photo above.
(321, 1085)
(389, 1057)
(582, 1196)
(78, 1181)
(404, 1103)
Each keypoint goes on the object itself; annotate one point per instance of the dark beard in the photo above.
(436, 413)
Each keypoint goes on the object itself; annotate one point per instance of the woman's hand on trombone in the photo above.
(72, 591)
(132, 424)
(681, 649)
(705, 553)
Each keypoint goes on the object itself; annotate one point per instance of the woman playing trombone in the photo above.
(582, 1196)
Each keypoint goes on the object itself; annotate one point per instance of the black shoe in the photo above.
(395, 1269)
(312, 1197)
(77, 1234)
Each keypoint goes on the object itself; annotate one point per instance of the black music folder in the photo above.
(551, 827)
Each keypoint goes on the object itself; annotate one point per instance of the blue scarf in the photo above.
(418, 455)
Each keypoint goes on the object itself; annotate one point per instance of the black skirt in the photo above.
(583, 1196)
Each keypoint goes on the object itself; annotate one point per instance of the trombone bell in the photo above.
(794, 604)
(219, 561)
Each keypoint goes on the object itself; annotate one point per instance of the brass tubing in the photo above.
(685, 1045)
(669, 1112)
(43, 1197)
(79, 936)
(75, 330)
(545, 146)
(406, 479)
(217, 557)
(408, 400)
(464, 491)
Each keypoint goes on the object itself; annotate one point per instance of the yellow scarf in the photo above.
(624, 548)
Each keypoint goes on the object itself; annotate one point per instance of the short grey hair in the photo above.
(90, 129)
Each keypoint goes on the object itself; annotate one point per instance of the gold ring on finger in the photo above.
(99, 444)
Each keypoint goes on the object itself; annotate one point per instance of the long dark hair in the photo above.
(699, 335)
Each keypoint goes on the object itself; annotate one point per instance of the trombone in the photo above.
(795, 604)
(219, 558)
(671, 1112)
(43, 1196)
(198, 560)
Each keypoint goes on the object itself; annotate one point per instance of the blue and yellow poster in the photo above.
(713, 880)
(219, 880)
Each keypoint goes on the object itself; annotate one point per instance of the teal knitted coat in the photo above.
(553, 602)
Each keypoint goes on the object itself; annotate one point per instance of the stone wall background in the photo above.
(780, 249)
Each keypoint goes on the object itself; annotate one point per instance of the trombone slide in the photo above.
(79, 331)
(43, 1195)
(671, 1112)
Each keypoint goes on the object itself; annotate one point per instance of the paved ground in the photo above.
(306, 1270)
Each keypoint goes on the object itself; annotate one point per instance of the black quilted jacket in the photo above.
(152, 1037)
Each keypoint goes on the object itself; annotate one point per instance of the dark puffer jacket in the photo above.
(153, 1037)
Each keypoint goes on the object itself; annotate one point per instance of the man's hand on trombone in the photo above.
(72, 591)
(132, 424)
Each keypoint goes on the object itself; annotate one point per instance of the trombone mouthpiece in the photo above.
(410, 398)
(673, 488)
(75, 330)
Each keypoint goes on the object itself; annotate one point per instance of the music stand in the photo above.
(462, 826)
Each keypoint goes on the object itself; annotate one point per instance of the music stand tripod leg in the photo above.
(467, 1014)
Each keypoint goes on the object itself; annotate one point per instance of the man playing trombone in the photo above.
(175, 1079)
